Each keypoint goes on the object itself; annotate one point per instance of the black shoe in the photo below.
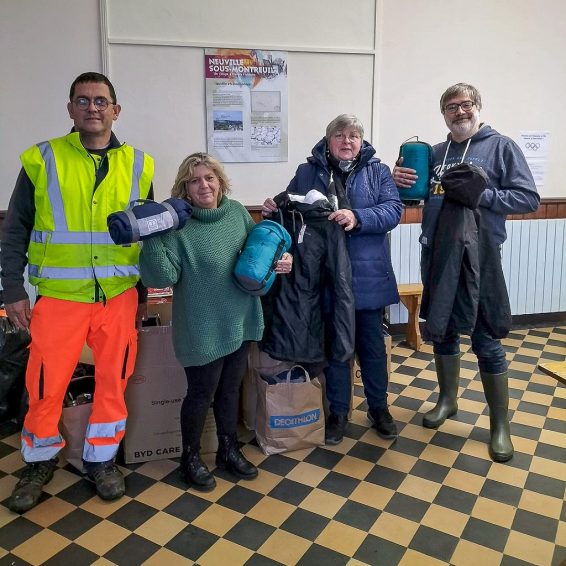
(108, 479)
(383, 423)
(195, 472)
(28, 490)
(230, 458)
(335, 428)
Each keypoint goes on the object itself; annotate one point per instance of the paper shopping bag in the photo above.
(289, 413)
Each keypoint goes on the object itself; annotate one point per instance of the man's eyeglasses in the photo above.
(99, 102)
(465, 106)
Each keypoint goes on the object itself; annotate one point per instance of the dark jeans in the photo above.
(372, 357)
(219, 380)
(490, 352)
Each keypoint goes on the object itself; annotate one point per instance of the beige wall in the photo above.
(386, 60)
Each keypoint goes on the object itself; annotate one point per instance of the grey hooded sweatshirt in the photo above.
(511, 187)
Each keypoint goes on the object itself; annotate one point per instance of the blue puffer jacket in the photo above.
(375, 202)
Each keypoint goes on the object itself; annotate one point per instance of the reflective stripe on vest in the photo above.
(102, 238)
(99, 271)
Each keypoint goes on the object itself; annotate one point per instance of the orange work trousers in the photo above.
(59, 330)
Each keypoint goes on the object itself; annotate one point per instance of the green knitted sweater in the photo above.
(211, 316)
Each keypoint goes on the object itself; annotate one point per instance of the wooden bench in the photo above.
(557, 370)
(411, 295)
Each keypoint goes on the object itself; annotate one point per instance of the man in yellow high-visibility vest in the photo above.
(86, 285)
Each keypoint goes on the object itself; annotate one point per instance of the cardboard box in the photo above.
(154, 395)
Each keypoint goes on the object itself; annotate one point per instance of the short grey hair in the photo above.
(344, 121)
(461, 89)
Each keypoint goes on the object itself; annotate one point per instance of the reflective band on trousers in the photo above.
(36, 449)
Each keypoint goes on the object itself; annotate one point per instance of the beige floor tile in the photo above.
(224, 552)
(284, 547)
(164, 557)
(439, 455)
(49, 511)
(157, 469)
(103, 509)
(217, 519)
(470, 554)
(161, 528)
(11, 463)
(264, 482)
(159, 495)
(375, 496)
(414, 558)
(553, 438)
(323, 503)
(524, 445)
(271, 511)
(544, 467)
(41, 547)
(417, 432)
(529, 549)
(397, 461)
(540, 504)
(445, 520)
(341, 538)
(528, 419)
(471, 406)
(402, 414)
(508, 475)
(464, 481)
(451, 426)
(353, 467)
(102, 537)
(416, 393)
(395, 529)
(476, 448)
(419, 488)
(494, 512)
(307, 474)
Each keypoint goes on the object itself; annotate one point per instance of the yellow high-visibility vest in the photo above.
(70, 249)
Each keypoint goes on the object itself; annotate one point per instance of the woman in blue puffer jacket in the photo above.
(366, 204)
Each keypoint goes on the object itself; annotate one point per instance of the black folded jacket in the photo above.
(465, 184)
(148, 218)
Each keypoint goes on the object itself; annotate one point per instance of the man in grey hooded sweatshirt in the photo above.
(511, 190)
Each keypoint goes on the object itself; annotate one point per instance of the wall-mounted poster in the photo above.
(246, 104)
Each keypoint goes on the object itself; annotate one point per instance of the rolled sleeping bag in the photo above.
(145, 218)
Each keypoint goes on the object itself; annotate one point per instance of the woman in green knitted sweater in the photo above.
(213, 321)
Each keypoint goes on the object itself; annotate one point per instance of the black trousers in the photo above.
(220, 381)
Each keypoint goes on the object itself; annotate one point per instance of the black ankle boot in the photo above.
(335, 428)
(230, 458)
(195, 472)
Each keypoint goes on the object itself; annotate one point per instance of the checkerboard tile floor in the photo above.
(431, 497)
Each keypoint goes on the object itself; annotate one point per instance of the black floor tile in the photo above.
(455, 499)
(317, 554)
(357, 515)
(249, 533)
(17, 531)
(278, 464)
(290, 492)
(434, 543)
(339, 484)
(187, 507)
(72, 554)
(378, 551)
(259, 560)
(132, 515)
(430, 471)
(386, 477)
(485, 534)
(305, 524)
(240, 499)
(535, 525)
(550, 452)
(408, 507)
(545, 485)
(75, 524)
(532, 408)
(501, 492)
(472, 464)
(367, 452)
(191, 542)
(448, 441)
(408, 446)
(322, 458)
(13, 560)
(78, 493)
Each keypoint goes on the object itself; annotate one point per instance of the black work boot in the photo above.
(335, 428)
(230, 458)
(448, 374)
(497, 397)
(194, 470)
(28, 490)
(383, 422)
(108, 479)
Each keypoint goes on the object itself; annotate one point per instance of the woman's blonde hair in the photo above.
(187, 168)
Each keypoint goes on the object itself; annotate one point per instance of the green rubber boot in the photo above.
(448, 373)
(497, 397)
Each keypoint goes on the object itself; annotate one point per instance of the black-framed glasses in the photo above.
(466, 106)
(83, 103)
